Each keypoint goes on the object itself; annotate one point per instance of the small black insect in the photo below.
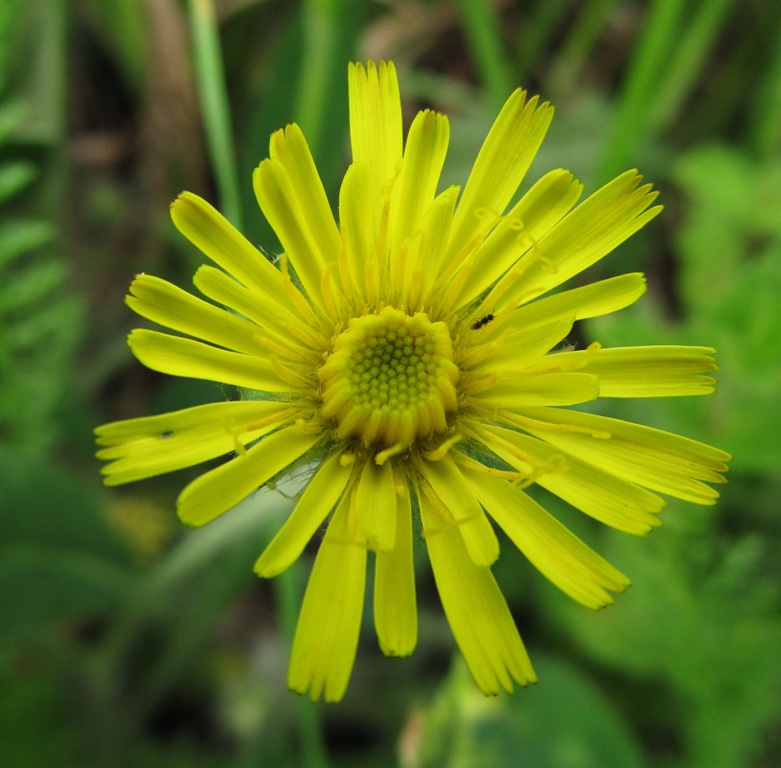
(482, 321)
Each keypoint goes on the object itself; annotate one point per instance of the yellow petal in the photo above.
(326, 637)
(192, 359)
(373, 505)
(284, 329)
(279, 203)
(501, 164)
(139, 448)
(395, 609)
(521, 349)
(316, 503)
(593, 229)
(609, 499)
(592, 300)
(208, 496)
(375, 120)
(414, 192)
(475, 609)
(358, 214)
(555, 551)
(518, 390)
(209, 230)
(652, 458)
(161, 302)
(653, 371)
(449, 490)
(290, 148)
(435, 231)
(525, 224)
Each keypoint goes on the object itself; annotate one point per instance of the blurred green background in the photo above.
(126, 640)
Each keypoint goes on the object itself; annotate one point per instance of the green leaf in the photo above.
(12, 115)
(14, 177)
(58, 558)
(565, 721)
(28, 288)
(20, 237)
(40, 584)
(699, 627)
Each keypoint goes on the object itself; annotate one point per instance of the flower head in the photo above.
(412, 354)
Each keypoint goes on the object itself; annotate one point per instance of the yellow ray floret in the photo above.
(327, 635)
(475, 608)
(153, 445)
(395, 610)
(554, 550)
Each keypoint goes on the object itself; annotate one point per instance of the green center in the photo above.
(390, 378)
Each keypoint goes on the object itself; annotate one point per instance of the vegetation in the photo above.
(129, 641)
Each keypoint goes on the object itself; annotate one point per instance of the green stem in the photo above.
(686, 61)
(537, 35)
(210, 81)
(566, 68)
(766, 127)
(319, 57)
(646, 70)
(482, 31)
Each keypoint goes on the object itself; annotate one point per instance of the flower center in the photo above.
(390, 379)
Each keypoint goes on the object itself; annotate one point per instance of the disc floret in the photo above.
(390, 379)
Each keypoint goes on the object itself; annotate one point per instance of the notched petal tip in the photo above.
(262, 170)
(184, 200)
(177, 200)
(291, 132)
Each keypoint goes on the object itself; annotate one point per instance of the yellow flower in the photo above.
(411, 356)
